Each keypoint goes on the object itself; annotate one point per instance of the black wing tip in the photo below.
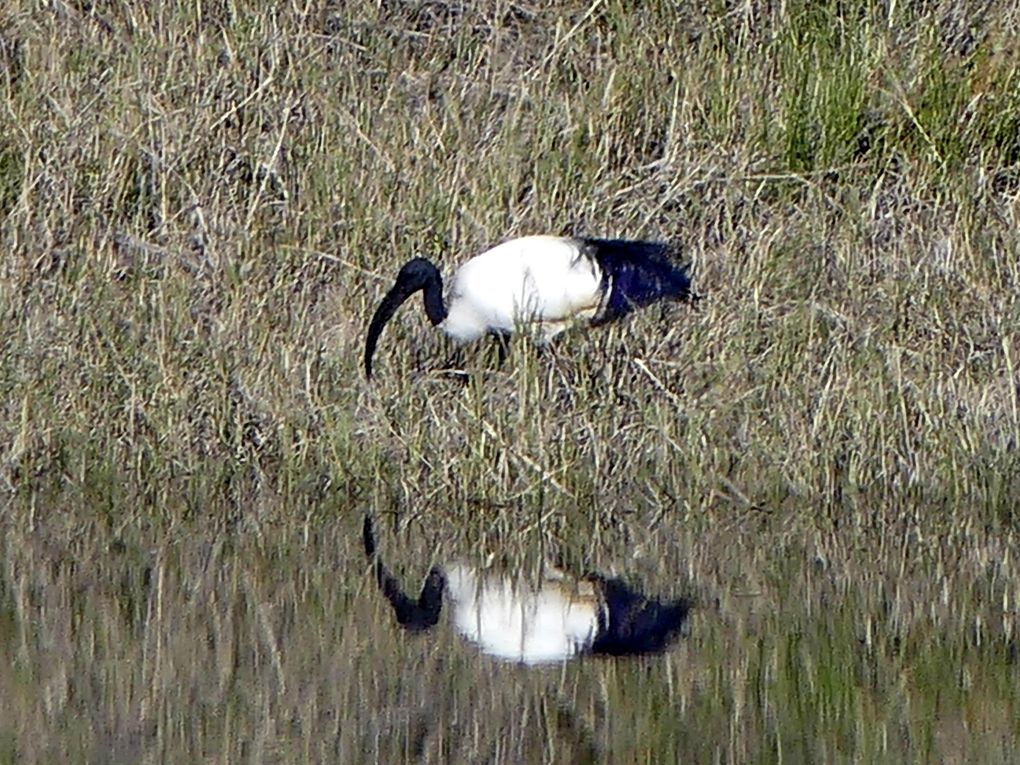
(665, 252)
(624, 242)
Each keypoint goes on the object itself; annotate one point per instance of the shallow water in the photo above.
(271, 644)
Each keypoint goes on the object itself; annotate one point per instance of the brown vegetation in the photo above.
(200, 205)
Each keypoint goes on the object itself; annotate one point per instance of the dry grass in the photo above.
(201, 206)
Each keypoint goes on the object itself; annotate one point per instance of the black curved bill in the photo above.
(393, 299)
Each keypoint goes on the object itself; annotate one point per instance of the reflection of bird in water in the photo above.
(544, 282)
(559, 620)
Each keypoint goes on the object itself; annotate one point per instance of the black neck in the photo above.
(432, 293)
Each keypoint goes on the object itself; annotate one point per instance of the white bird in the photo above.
(543, 282)
(557, 621)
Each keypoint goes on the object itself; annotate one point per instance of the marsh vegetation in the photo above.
(201, 205)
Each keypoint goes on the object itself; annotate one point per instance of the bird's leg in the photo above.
(454, 365)
(547, 356)
(502, 347)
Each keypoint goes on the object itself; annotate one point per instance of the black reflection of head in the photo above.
(414, 615)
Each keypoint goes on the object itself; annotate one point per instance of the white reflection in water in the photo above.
(553, 623)
(557, 620)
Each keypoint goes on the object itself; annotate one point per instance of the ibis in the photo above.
(513, 621)
(540, 283)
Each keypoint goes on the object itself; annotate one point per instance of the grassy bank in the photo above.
(200, 207)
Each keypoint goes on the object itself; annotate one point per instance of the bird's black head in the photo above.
(416, 274)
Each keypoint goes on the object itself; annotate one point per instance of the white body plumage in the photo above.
(543, 280)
